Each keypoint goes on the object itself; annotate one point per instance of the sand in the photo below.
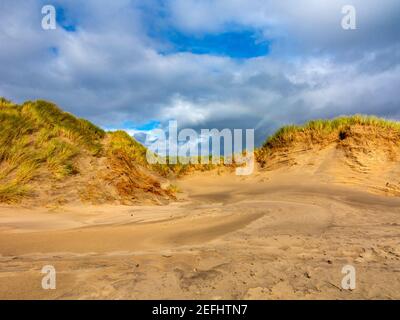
(271, 235)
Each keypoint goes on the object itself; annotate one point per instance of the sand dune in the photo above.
(324, 195)
(267, 236)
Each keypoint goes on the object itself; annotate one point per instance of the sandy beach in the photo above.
(266, 236)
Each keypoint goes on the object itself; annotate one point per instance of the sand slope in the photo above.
(363, 156)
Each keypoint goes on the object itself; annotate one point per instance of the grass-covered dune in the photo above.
(361, 150)
(357, 130)
(44, 149)
(318, 130)
(42, 146)
(49, 154)
(36, 135)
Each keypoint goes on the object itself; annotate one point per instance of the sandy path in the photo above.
(231, 237)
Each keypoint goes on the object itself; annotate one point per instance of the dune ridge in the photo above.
(322, 196)
(50, 157)
(359, 150)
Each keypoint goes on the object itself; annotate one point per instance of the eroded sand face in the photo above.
(260, 237)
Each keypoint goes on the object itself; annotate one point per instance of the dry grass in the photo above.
(37, 135)
(128, 169)
(360, 128)
(39, 141)
(320, 129)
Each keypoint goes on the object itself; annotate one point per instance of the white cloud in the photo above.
(110, 70)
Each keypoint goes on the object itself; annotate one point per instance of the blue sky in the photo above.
(134, 64)
(63, 20)
(236, 44)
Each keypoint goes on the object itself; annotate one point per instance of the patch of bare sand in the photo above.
(272, 235)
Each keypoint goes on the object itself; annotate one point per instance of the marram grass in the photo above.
(324, 127)
(36, 135)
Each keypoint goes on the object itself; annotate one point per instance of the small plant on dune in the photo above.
(185, 165)
(174, 189)
(12, 192)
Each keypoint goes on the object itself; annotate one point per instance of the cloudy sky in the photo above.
(207, 64)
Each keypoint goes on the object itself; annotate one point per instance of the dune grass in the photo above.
(38, 135)
(318, 129)
(12, 192)
(120, 141)
(39, 139)
(63, 124)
